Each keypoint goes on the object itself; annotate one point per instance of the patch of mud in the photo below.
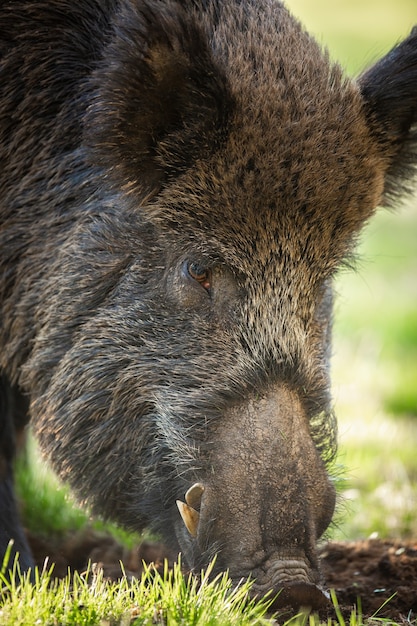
(373, 571)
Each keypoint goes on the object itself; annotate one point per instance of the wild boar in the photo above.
(179, 183)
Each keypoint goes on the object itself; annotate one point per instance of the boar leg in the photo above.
(13, 417)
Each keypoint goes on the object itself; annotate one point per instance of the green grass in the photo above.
(170, 599)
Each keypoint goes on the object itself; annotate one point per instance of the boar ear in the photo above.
(157, 99)
(389, 89)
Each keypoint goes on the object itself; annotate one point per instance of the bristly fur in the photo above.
(145, 143)
(130, 127)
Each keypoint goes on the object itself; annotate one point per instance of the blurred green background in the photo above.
(375, 343)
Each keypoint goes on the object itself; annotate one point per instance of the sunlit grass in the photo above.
(170, 599)
(167, 599)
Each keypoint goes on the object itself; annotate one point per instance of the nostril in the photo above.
(301, 594)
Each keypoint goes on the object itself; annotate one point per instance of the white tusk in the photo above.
(190, 517)
(193, 496)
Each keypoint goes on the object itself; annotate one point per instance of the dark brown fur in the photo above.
(138, 138)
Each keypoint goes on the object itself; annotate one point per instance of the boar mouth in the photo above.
(291, 579)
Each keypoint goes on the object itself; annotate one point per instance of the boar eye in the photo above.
(199, 273)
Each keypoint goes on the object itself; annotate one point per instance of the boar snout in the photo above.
(289, 582)
(264, 501)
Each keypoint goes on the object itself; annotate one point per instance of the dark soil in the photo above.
(373, 571)
(377, 572)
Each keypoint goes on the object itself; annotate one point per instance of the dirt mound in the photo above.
(375, 571)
